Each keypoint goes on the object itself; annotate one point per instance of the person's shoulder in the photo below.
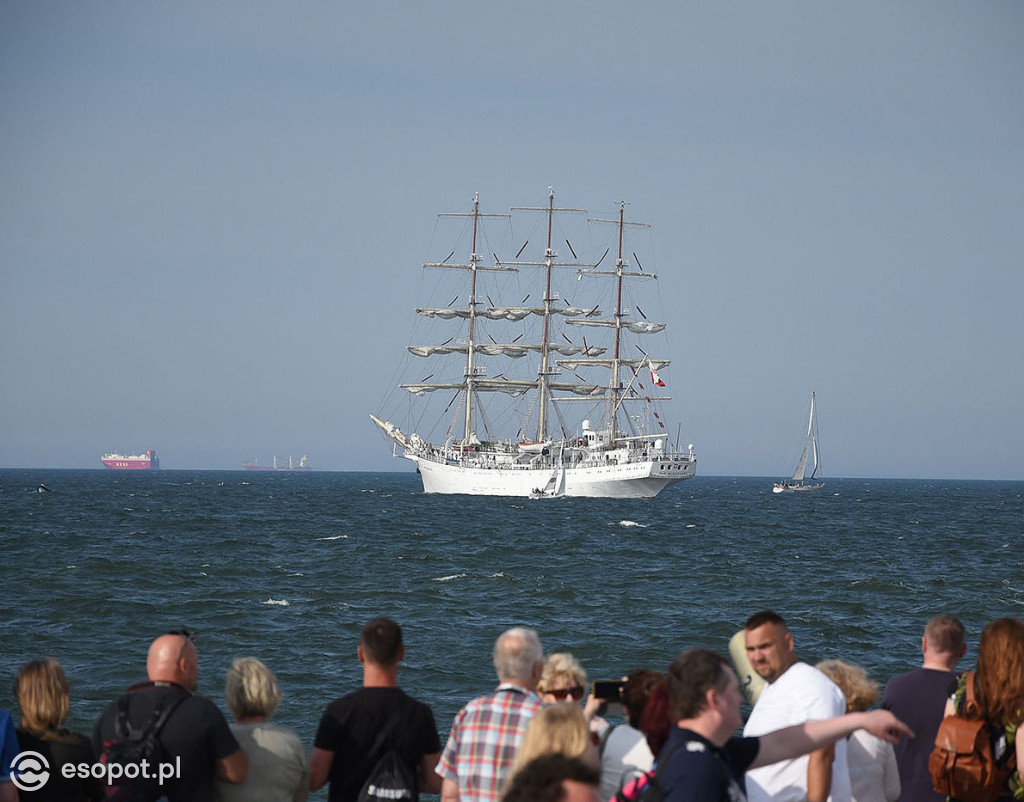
(900, 683)
(688, 768)
(270, 735)
(805, 676)
(197, 702)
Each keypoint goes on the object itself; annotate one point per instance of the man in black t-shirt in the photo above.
(351, 725)
(702, 760)
(919, 697)
(196, 733)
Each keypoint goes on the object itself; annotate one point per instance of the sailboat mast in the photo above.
(549, 255)
(614, 398)
(473, 259)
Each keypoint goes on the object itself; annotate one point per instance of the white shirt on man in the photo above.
(801, 694)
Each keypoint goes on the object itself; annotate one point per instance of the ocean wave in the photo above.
(278, 602)
(632, 523)
(450, 577)
(334, 537)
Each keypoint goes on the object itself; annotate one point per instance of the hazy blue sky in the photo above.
(213, 215)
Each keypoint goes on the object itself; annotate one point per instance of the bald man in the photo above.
(195, 736)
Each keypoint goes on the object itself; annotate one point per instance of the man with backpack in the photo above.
(702, 761)
(173, 741)
(377, 742)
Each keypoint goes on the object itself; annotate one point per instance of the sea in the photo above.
(287, 567)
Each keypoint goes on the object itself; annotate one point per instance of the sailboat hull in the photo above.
(801, 488)
(642, 479)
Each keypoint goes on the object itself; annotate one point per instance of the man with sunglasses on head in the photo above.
(194, 736)
(484, 737)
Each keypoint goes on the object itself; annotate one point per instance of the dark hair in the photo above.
(541, 779)
(637, 690)
(382, 641)
(656, 720)
(945, 633)
(765, 617)
(692, 674)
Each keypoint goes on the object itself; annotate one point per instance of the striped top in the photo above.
(483, 741)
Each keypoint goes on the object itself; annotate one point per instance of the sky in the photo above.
(213, 216)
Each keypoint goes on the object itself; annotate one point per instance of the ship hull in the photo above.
(279, 470)
(642, 479)
(120, 462)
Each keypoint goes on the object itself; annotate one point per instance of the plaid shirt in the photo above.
(482, 744)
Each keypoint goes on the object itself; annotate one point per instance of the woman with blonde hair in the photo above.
(874, 776)
(563, 679)
(44, 697)
(557, 729)
(998, 695)
(278, 769)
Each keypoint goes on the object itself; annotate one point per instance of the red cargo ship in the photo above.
(139, 462)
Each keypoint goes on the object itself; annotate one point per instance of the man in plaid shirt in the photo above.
(486, 732)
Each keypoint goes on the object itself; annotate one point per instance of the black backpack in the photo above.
(391, 777)
(129, 779)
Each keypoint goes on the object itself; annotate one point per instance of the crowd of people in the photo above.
(814, 733)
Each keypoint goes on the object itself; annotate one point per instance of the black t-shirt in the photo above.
(350, 726)
(918, 698)
(60, 749)
(196, 732)
(699, 771)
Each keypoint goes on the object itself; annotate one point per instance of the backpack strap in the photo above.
(382, 736)
(123, 726)
(604, 738)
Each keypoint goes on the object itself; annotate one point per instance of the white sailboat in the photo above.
(510, 430)
(797, 483)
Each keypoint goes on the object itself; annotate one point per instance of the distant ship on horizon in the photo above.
(291, 466)
(134, 462)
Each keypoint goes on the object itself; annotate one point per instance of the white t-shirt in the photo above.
(625, 756)
(801, 694)
(873, 773)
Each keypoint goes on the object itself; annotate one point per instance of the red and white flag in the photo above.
(656, 378)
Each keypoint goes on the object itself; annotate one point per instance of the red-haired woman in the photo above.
(999, 694)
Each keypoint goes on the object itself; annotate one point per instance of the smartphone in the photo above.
(608, 689)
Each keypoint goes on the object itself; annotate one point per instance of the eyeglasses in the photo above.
(563, 693)
(187, 636)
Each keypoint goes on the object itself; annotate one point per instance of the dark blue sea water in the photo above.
(288, 566)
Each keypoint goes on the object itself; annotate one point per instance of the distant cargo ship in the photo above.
(302, 466)
(135, 462)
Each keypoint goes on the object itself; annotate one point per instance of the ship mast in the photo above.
(474, 258)
(547, 369)
(474, 266)
(616, 393)
(619, 264)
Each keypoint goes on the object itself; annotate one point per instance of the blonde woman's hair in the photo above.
(43, 695)
(860, 690)
(562, 664)
(555, 729)
(251, 689)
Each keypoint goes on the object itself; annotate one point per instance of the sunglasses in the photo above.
(186, 635)
(564, 693)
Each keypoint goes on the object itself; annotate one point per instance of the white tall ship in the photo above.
(544, 396)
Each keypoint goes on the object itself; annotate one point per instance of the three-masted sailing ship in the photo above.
(565, 357)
